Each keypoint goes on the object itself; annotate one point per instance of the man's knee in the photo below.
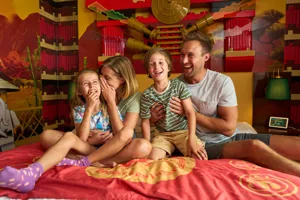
(256, 144)
(252, 147)
(243, 149)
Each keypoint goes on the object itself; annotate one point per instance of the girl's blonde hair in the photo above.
(122, 67)
(78, 100)
(161, 51)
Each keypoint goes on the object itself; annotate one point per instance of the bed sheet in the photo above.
(170, 178)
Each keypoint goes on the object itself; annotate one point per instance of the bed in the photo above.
(171, 178)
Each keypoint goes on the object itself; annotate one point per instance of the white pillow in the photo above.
(244, 127)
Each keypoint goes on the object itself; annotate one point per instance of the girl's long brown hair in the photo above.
(123, 68)
(78, 100)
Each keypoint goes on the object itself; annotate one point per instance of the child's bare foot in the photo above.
(107, 165)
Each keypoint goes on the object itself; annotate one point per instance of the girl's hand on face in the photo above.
(92, 99)
(108, 92)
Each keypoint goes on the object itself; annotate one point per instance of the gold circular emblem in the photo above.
(170, 11)
(240, 164)
(148, 171)
(268, 185)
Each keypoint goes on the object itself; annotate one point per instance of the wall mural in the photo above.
(20, 49)
(19, 53)
(19, 68)
(263, 27)
(268, 40)
(89, 40)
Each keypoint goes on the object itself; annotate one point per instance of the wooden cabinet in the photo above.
(277, 131)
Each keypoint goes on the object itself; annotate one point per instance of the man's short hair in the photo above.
(202, 38)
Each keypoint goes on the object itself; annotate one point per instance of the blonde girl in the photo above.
(86, 125)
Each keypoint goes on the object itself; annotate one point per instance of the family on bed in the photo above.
(195, 113)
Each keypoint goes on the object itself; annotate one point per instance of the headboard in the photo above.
(243, 82)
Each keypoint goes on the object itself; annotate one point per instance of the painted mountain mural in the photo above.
(18, 41)
(15, 37)
(268, 40)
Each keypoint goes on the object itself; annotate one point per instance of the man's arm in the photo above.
(157, 112)
(225, 124)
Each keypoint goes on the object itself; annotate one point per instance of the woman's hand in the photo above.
(157, 112)
(176, 106)
(108, 92)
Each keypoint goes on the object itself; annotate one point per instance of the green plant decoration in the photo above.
(33, 64)
(115, 15)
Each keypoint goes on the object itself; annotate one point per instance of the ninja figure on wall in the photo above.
(8, 120)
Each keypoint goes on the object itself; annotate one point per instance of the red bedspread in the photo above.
(172, 178)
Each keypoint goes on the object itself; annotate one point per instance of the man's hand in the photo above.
(176, 106)
(99, 137)
(196, 150)
(157, 112)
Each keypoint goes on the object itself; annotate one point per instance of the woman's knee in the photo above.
(142, 148)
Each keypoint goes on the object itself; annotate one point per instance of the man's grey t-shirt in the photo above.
(214, 90)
